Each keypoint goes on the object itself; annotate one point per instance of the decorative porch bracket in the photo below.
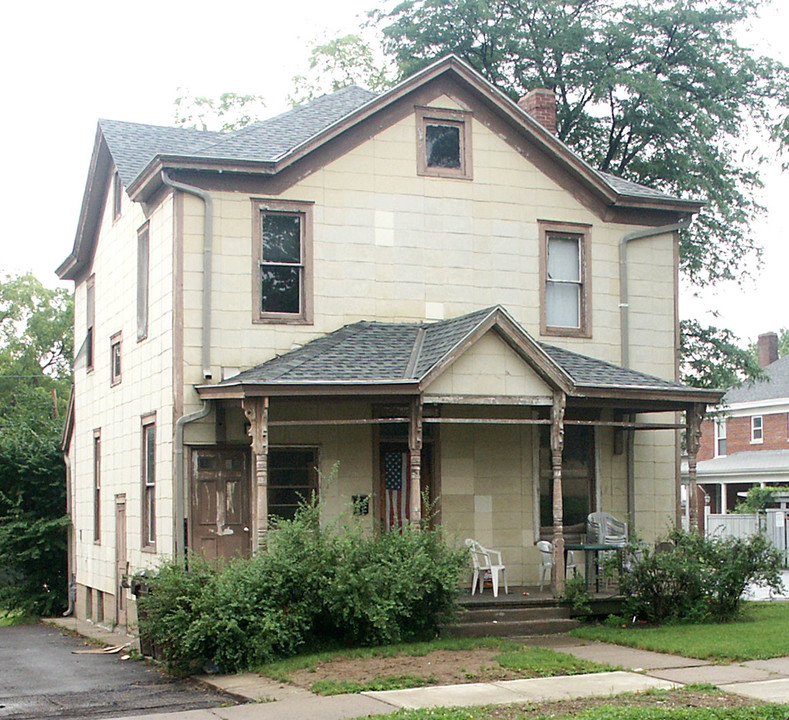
(256, 410)
(693, 417)
(557, 447)
(415, 453)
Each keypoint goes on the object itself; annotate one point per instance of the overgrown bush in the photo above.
(312, 585)
(699, 578)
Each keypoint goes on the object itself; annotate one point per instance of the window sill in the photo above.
(566, 332)
(757, 442)
(148, 549)
(281, 320)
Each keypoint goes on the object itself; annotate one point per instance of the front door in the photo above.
(121, 561)
(220, 512)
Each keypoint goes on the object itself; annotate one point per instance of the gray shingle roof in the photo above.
(134, 145)
(374, 352)
(775, 387)
(756, 461)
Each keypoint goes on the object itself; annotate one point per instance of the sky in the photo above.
(65, 65)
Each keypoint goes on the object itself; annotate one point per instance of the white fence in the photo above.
(773, 524)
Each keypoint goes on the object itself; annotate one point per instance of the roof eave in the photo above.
(681, 396)
(241, 390)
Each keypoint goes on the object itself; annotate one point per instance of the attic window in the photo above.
(282, 268)
(117, 196)
(443, 142)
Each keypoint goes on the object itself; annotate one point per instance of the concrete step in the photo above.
(508, 614)
(510, 628)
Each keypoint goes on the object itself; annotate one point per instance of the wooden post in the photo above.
(415, 457)
(557, 447)
(256, 410)
(693, 417)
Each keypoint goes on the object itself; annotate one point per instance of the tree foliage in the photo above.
(336, 64)
(35, 375)
(712, 357)
(659, 92)
(230, 111)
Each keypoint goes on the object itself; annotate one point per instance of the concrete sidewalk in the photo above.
(266, 699)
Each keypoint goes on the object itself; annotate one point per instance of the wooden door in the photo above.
(220, 513)
(121, 562)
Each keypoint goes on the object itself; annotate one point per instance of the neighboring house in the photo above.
(747, 442)
(421, 288)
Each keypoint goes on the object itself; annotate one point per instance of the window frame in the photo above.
(718, 425)
(148, 485)
(143, 280)
(757, 433)
(90, 323)
(116, 372)
(444, 116)
(117, 196)
(97, 486)
(303, 209)
(582, 232)
(314, 485)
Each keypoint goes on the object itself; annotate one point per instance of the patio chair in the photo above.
(485, 560)
(546, 557)
(602, 528)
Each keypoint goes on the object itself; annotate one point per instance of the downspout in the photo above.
(208, 249)
(624, 342)
(180, 500)
(624, 302)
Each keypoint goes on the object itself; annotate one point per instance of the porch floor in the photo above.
(523, 595)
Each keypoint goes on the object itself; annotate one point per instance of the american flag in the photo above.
(396, 488)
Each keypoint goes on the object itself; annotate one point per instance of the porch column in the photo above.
(557, 446)
(693, 417)
(415, 457)
(724, 508)
(256, 410)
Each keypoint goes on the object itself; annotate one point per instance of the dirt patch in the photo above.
(444, 667)
(662, 699)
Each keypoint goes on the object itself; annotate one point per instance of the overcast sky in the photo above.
(67, 64)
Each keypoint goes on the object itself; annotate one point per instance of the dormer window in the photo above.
(443, 142)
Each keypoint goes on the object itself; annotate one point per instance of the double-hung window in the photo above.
(565, 279)
(282, 267)
(97, 486)
(149, 482)
(720, 437)
(757, 429)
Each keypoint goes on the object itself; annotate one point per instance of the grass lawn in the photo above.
(761, 633)
(442, 661)
(689, 703)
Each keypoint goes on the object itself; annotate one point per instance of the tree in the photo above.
(230, 111)
(713, 358)
(655, 91)
(35, 375)
(336, 64)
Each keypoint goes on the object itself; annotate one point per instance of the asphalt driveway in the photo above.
(40, 677)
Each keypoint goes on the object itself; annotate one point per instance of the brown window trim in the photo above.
(584, 232)
(90, 322)
(148, 543)
(304, 209)
(116, 341)
(143, 280)
(444, 116)
(314, 474)
(97, 486)
(117, 196)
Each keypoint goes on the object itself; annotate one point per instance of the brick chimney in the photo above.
(768, 348)
(540, 103)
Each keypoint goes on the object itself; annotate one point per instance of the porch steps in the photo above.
(512, 619)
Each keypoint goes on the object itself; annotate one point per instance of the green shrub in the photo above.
(700, 578)
(312, 585)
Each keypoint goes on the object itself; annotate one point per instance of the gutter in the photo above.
(624, 303)
(208, 249)
(179, 533)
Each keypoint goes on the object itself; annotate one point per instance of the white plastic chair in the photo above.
(484, 560)
(546, 556)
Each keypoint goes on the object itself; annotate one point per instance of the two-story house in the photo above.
(424, 290)
(746, 443)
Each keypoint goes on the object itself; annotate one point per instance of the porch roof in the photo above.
(403, 358)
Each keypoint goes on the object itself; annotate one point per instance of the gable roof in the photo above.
(140, 152)
(410, 355)
(774, 388)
